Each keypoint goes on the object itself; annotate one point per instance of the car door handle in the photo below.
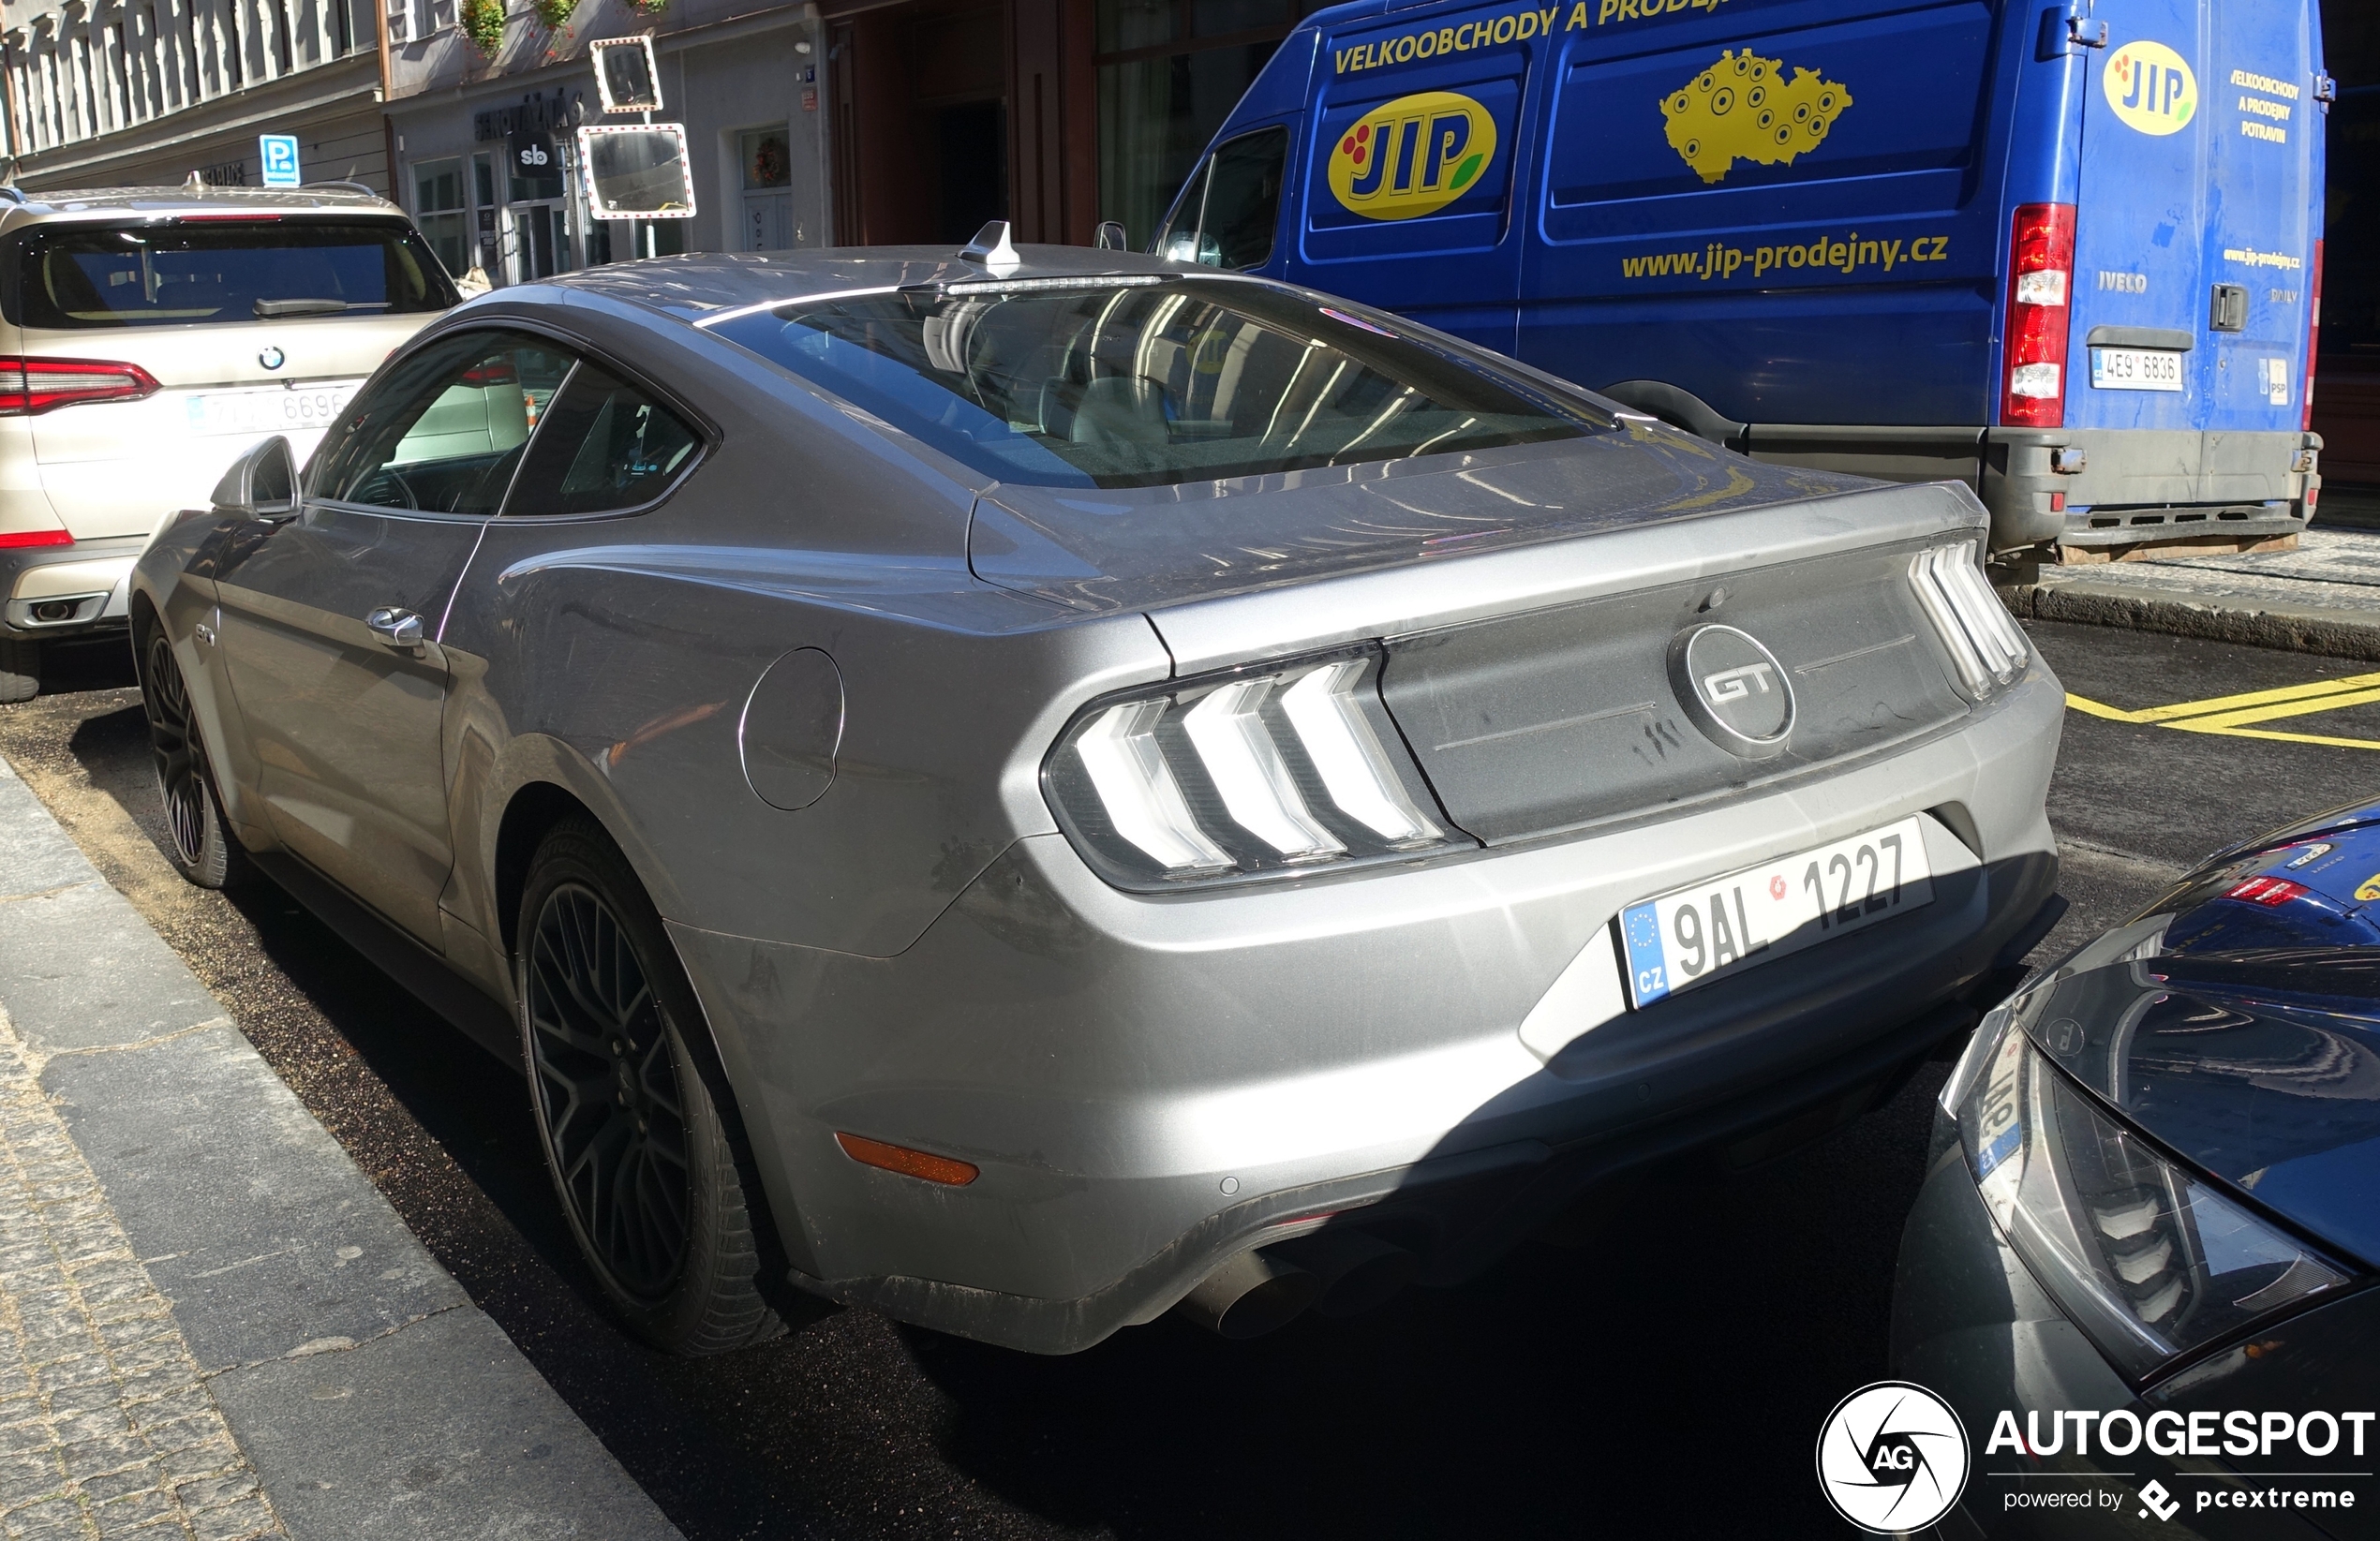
(396, 628)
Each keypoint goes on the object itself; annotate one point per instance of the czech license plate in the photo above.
(2134, 369)
(274, 410)
(1727, 925)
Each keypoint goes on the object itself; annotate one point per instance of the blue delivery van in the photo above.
(2068, 253)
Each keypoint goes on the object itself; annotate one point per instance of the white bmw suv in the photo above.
(148, 336)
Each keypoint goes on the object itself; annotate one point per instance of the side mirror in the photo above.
(261, 483)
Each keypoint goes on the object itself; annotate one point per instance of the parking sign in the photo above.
(280, 153)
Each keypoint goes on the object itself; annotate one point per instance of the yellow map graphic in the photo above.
(1742, 107)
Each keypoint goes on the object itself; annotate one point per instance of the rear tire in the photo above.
(198, 842)
(20, 671)
(627, 1100)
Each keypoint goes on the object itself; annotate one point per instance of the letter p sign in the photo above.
(280, 153)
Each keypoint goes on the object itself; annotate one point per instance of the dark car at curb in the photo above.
(2154, 1197)
(1027, 789)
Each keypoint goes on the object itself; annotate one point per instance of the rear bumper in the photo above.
(2145, 485)
(88, 581)
(1152, 1085)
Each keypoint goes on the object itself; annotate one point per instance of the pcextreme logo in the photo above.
(1413, 156)
(2151, 87)
(1743, 108)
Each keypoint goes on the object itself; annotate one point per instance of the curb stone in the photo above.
(2302, 629)
(362, 1391)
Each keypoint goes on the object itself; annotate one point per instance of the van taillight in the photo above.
(29, 387)
(2041, 263)
(2313, 337)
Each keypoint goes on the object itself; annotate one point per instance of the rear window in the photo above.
(1150, 385)
(70, 278)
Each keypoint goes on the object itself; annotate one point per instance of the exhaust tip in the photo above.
(1250, 1295)
(1358, 1272)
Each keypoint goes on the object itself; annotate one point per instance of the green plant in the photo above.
(554, 13)
(483, 24)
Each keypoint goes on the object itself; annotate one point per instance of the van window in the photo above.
(1228, 215)
(81, 277)
(1150, 384)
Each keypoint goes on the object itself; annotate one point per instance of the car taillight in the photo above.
(1986, 646)
(2040, 262)
(15, 539)
(1264, 771)
(29, 387)
(2313, 337)
(494, 372)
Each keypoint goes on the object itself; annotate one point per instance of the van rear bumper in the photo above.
(2139, 484)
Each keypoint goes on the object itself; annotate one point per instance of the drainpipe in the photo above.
(388, 125)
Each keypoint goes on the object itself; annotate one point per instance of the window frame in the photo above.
(707, 436)
(1201, 180)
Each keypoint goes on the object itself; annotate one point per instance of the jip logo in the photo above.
(2151, 87)
(1413, 156)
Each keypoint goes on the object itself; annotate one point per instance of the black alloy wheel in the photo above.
(200, 845)
(607, 1085)
(638, 1122)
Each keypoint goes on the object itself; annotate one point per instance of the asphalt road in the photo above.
(1670, 1375)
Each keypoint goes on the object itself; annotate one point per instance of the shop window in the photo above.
(1170, 73)
(767, 158)
(439, 210)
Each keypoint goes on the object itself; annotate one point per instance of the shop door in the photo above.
(769, 189)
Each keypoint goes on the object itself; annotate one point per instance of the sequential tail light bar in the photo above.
(1267, 770)
(30, 387)
(2041, 263)
(1985, 646)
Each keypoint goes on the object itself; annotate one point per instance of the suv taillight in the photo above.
(494, 372)
(2041, 263)
(29, 387)
(2314, 337)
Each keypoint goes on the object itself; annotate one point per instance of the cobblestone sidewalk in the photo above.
(106, 1428)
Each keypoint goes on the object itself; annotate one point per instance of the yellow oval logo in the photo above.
(2151, 87)
(1413, 156)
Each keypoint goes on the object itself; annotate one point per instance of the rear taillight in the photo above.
(2041, 263)
(2314, 337)
(29, 387)
(1986, 648)
(1286, 767)
(15, 539)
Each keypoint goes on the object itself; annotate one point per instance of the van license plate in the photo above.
(274, 410)
(2134, 369)
(1727, 925)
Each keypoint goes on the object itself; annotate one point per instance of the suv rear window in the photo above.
(1053, 383)
(83, 277)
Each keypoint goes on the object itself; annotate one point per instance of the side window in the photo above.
(604, 445)
(443, 432)
(1228, 215)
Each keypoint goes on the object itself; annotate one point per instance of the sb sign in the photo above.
(1426, 153)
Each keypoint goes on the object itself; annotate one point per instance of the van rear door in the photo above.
(2193, 243)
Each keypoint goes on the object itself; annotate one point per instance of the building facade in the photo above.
(113, 92)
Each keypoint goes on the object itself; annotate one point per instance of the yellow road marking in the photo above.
(2231, 715)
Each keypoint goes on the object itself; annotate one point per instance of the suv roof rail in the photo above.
(351, 187)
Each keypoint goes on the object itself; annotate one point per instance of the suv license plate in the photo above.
(1727, 925)
(274, 410)
(2134, 369)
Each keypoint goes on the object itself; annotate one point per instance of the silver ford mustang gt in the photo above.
(1031, 790)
